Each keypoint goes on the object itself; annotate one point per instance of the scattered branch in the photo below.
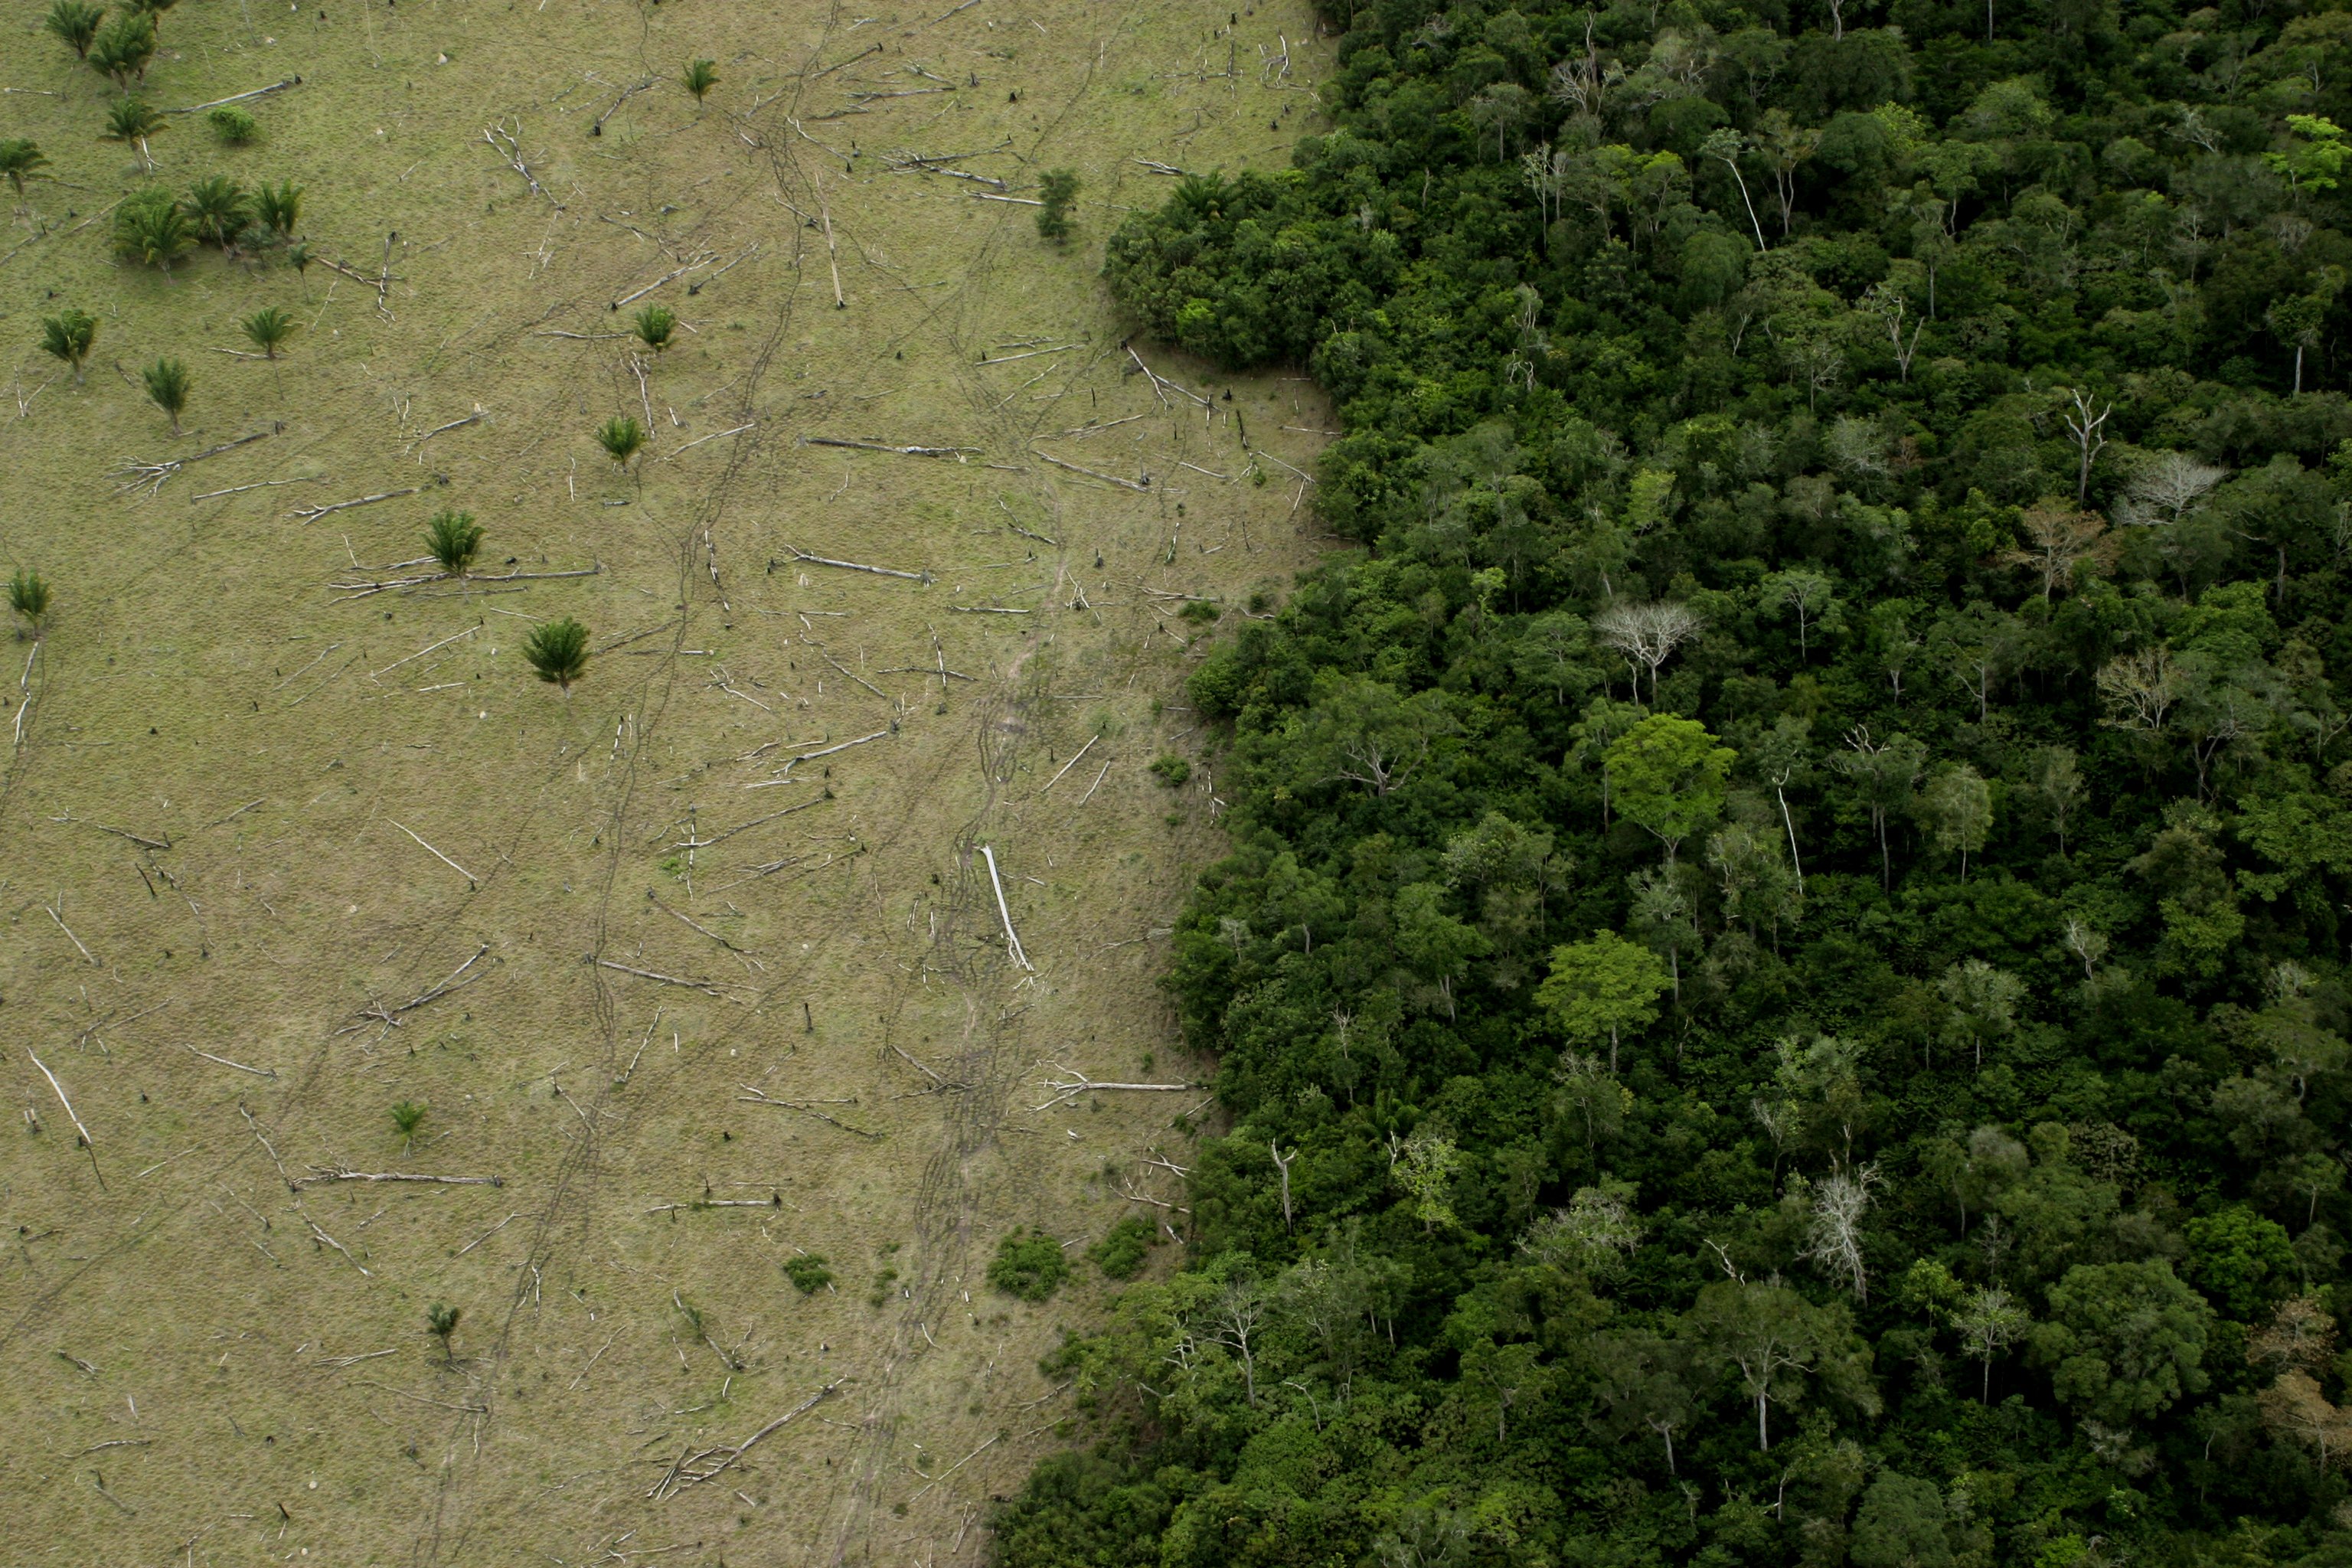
(1073, 1084)
(694, 1468)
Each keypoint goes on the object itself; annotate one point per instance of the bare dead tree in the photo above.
(2082, 423)
(2138, 689)
(1282, 1163)
(1833, 1239)
(1646, 636)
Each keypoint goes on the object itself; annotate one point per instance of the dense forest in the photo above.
(1779, 990)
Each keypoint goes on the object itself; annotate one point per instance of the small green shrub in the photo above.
(1058, 188)
(808, 1273)
(21, 159)
(655, 325)
(699, 77)
(1028, 1264)
(167, 382)
(28, 597)
(453, 538)
(622, 438)
(232, 125)
(1200, 612)
(557, 651)
(1121, 1254)
(406, 1118)
(267, 328)
(280, 208)
(1172, 770)
(441, 1321)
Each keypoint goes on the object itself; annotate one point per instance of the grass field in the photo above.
(702, 962)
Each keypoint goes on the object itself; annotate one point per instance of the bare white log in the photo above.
(471, 880)
(803, 556)
(323, 1174)
(1012, 941)
(1073, 1084)
(694, 1468)
(1071, 763)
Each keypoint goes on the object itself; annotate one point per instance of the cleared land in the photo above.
(702, 964)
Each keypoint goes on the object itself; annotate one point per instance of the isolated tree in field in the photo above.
(408, 1116)
(1028, 1264)
(121, 49)
(167, 386)
(1057, 188)
(132, 120)
(218, 209)
(1597, 989)
(1668, 776)
(267, 328)
(28, 600)
(557, 651)
(69, 336)
(20, 160)
(453, 538)
(699, 77)
(151, 229)
(441, 1321)
(622, 438)
(278, 207)
(76, 22)
(655, 325)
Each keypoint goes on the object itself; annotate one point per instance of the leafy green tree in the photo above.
(2241, 1261)
(623, 439)
(168, 382)
(1776, 1346)
(557, 651)
(132, 120)
(1901, 1525)
(1988, 1320)
(1983, 1003)
(1365, 731)
(808, 1272)
(278, 206)
(2125, 1341)
(653, 326)
(1121, 1254)
(121, 49)
(267, 328)
(1642, 1382)
(20, 160)
(453, 538)
(1425, 1165)
(76, 23)
(1668, 776)
(28, 601)
(1957, 806)
(69, 336)
(1599, 988)
(1028, 1264)
(441, 1322)
(2313, 157)
(408, 1116)
(699, 77)
(1057, 189)
(218, 210)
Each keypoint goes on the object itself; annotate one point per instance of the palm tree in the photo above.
(28, 597)
(70, 337)
(219, 208)
(622, 438)
(700, 76)
(20, 160)
(121, 49)
(76, 22)
(406, 1117)
(453, 538)
(167, 382)
(151, 10)
(151, 228)
(654, 326)
(559, 651)
(268, 327)
(133, 120)
(280, 208)
(441, 1321)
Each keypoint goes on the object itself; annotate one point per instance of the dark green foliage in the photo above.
(280, 208)
(408, 1116)
(808, 1272)
(1121, 1254)
(441, 1321)
(1171, 769)
(132, 120)
(622, 438)
(1057, 188)
(653, 326)
(557, 651)
(267, 328)
(233, 124)
(76, 23)
(1853, 515)
(699, 77)
(1028, 1264)
(28, 599)
(121, 49)
(218, 209)
(20, 160)
(167, 382)
(453, 538)
(69, 336)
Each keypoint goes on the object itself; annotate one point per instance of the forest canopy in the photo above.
(1779, 991)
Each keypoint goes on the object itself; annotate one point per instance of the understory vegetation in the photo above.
(1780, 987)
